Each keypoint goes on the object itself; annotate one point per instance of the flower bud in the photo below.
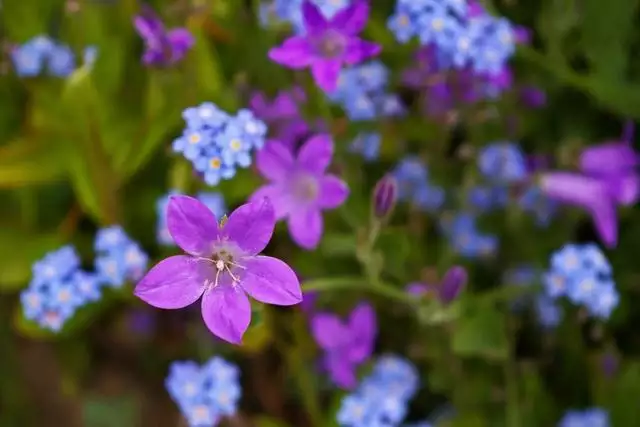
(385, 196)
(452, 283)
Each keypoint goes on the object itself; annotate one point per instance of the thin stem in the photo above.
(360, 283)
(512, 408)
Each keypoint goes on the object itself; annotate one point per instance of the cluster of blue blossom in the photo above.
(41, 54)
(367, 145)
(414, 186)
(362, 93)
(213, 200)
(582, 274)
(290, 11)
(217, 143)
(502, 162)
(464, 35)
(382, 397)
(593, 417)
(59, 286)
(205, 393)
(464, 237)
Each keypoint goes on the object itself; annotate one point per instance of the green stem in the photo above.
(512, 409)
(360, 283)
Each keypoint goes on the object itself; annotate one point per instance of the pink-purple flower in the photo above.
(222, 265)
(327, 44)
(162, 46)
(299, 187)
(346, 344)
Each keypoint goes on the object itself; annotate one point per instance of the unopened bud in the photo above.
(385, 196)
(454, 280)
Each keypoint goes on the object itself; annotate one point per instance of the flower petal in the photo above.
(174, 282)
(306, 227)
(333, 192)
(608, 159)
(294, 53)
(363, 330)
(226, 312)
(328, 331)
(274, 161)
(625, 188)
(271, 281)
(192, 225)
(341, 371)
(359, 50)
(352, 20)
(251, 226)
(315, 155)
(326, 72)
(181, 41)
(314, 20)
(280, 200)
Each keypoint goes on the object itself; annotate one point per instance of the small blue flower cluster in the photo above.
(213, 200)
(535, 202)
(58, 288)
(583, 274)
(119, 258)
(362, 93)
(205, 393)
(42, 53)
(464, 36)
(502, 163)
(382, 397)
(593, 417)
(277, 11)
(465, 238)
(367, 145)
(217, 143)
(482, 198)
(414, 186)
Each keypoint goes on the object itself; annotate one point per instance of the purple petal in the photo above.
(192, 225)
(333, 192)
(274, 161)
(342, 372)
(150, 29)
(315, 155)
(363, 329)
(259, 104)
(352, 19)
(326, 72)
(608, 159)
(328, 330)
(280, 199)
(294, 53)
(360, 50)
(625, 188)
(452, 283)
(271, 281)
(174, 282)
(591, 194)
(181, 41)
(251, 226)
(226, 312)
(305, 228)
(314, 20)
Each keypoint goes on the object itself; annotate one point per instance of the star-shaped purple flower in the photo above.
(299, 187)
(221, 265)
(327, 44)
(162, 47)
(346, 345)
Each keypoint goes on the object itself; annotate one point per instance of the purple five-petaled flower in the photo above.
(221, 265)
(346, 344)
(608, 177)
(299, 187)
(162, 47)
(327, 44)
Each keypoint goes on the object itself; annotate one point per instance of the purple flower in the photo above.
(221, 265)
(162, 47)
(299, 187)
(327, 44)
(346, 345)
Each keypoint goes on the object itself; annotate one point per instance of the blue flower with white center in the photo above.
(403, 25)
(204, 393)
(61, 61)
(502, 162)
(56, 265)
(254, 130)
(89, 285)
(568, 260)
(235, 149)
(593, 417)
(205, 116)
(119, 258)
(367, 144)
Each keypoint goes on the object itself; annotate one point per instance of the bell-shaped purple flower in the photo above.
(162, 46)
(612, 158)
(222, 265)
(327, 44)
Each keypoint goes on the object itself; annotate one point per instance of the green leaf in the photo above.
(23, 164)
(109, 411)
(481, 333)
(18, 254)
(623, 400)
(209, 77)
(556, 19)
(606, 33)
(396, 248)
(339, 244)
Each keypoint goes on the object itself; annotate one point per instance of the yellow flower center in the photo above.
(194, 138)
(215, 163)
(236, 144)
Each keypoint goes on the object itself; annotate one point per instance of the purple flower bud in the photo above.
(452, 283)
(385, 196)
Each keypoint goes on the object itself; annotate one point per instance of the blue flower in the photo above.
(367, 144)
(548, 312)
(119, 258)
(593, 417)
(428, 197)
(464, 237)
(534, 201)
(61, 61)
(485, 199)
(204, 393)
(502, 162)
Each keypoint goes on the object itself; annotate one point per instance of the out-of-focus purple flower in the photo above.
(610, 159)
(447, 290)
(222, 265)
(346, 345)
(385, 197)
(284, 106)
(327, 44)
(162, 46)
(299, 187)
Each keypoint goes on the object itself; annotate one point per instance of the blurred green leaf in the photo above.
(623, 399)
(209, 78)
(481, 333)
(109, 412)
(556, 19)
(339, 244)
(395, 248)
(23, 163)
(19, 252)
